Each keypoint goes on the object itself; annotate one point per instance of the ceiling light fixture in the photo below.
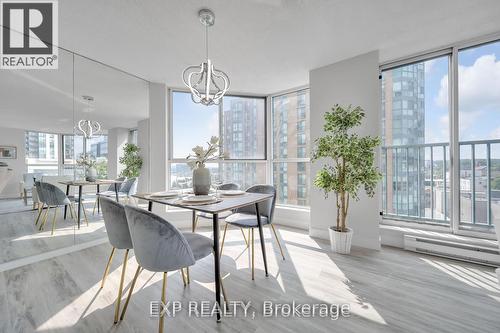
(206, 83)
(89, 128)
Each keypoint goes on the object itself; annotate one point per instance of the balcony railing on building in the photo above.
(417, 187)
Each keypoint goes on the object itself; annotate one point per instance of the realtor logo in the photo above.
(29, 33)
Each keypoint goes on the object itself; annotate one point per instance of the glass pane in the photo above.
(243, 127)
(97, 147)
(291, 180)
(73, 148)
(245, 174)
(415, 115)
(181, 175)
(192, 124)
(479, 120)
(465, 184)
(290, 122)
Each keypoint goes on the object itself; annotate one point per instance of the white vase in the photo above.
(341, 241)
(201, 180)
(91, 174)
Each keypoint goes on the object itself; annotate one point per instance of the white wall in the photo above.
(117, 138)
(13, 137)
(143, 144)
(352, 81)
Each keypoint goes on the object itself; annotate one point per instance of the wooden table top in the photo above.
(227, 203)
(86, 183)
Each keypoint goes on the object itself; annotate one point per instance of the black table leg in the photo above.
(97, 198)
(150, 206)
(261, 233)
(79, 204)
(116, 192)
(216, 263)
(193, 219)
(66, 207)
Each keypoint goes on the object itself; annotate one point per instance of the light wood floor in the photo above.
(388, 291)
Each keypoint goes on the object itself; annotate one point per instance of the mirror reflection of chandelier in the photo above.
(89, 128)
(206, 83)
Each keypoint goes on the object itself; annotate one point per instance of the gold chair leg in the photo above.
(73, 211)
(85, 214)
(120, 290)
(223, 238)
(226, 300)
(244, 237)
(54, 221)
(183, 277)
(95, 205)
(253, 255)
(40, 211)
(195, 223)
(137, 272)
(106, 270)
(248, 238)
(44, 219)
(187, 275)
(163, 294)
(277, 240)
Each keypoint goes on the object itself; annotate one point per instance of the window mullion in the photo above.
(454, 143)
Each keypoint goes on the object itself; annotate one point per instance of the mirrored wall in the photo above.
(62, 134)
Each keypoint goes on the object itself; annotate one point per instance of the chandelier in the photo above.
(89, 128)
(206, 83)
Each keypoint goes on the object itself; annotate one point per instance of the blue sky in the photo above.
(479, 95)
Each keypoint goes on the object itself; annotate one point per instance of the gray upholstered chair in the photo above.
(246, 218)
(108, 193)
(118, 233)
(161, 247)
(54, 197)
(222, 215)
(38, 189)
(126, 190)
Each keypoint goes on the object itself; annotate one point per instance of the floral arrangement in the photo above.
(86, 160)
(201, 156)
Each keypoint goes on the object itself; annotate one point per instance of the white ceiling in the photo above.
(264, 45)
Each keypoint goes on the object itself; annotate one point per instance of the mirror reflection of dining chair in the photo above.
(54, 197)
(161, 247)
(246, 218)
(126, 190)
(109, 192)
(118, 233)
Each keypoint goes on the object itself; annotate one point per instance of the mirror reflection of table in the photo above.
(226, 203)
(81, 183)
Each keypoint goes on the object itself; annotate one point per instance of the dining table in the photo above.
(82, 183)
(221, 204)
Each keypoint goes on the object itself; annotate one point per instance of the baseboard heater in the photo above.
(455, 250)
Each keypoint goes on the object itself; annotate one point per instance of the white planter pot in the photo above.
(341, 241)
(91, 174)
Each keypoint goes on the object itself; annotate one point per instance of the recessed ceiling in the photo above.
(264, 45)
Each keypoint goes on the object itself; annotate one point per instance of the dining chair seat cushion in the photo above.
(222, 215)
(116, 224)
(158, 245)
(200, 245)
(245, 220)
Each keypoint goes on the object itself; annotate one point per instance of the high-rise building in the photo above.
(403, 109)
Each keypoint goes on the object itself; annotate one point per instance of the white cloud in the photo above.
(495, 134)
(479, 86)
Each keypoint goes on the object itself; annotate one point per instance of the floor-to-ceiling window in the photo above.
(42, 153)
(431, 109)
(240, 123)
(290, 147)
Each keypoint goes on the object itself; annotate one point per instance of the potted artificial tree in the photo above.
(350, 165)
(131, 160)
